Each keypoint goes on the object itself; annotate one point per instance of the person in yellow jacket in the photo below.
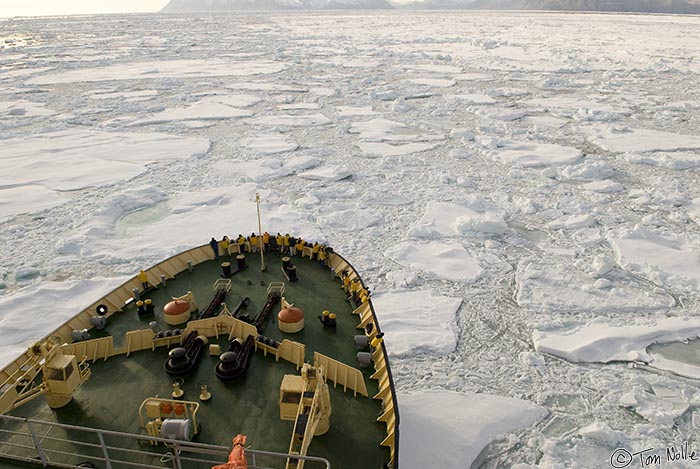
(144, 278)
(355, 287)
(315, 250)
(266, 241)
(322, 257)
(364, 296)
(279, 239)
(286, 243)
(253, 242)
(376, 342)
(346, 282)
(225, 243)
(300, 247)
(241, 243)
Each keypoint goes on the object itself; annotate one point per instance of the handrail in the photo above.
(176, 456)
(388, 368)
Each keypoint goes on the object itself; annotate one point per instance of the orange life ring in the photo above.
(166, 408)
(179, 409)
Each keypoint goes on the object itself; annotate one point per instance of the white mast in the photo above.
(260, 240)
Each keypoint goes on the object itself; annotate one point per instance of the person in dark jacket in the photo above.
(214, 247)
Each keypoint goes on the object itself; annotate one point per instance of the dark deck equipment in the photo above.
(181, 360)
(232, 364)
(215, 305)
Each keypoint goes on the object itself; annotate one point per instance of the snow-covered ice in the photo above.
(66, 299)
(442, 259)
(465, 422)
(605, 343)
(182, 68)
(513, 190)
(474, 214)
(673, 257)
(537, 154)
(628, 139)
(418, 321)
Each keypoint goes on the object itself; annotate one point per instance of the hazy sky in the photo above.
(72, 7)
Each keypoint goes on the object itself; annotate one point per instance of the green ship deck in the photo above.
(110, 399)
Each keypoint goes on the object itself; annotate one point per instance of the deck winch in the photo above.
(169, 418)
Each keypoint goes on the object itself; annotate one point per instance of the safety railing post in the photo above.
(255, 464)
(37, 444)
(176, 456)
(104, 451)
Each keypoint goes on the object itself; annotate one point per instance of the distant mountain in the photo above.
(238, 5)
(634, 6)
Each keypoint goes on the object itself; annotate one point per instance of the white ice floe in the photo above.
(448, 430)
(327, 173)
(301, 162)
(28, 199)
(377, 149)
(274, 87)
(252, 170)
(434, 68)
(588, 170)
(601, 342)
(322, 91)
(640, 140)
(474, 98)
(299, 106)
(127, 96)
(671, 160)
(657, 402)
(605, 186)
(199, 111)
(472, 76)
(448, 260)
(234, 100)
(571, 222)
(181, 68)
(419, 321)
(550, 284)
(376, 129)
(662, 257)
(535, 155)
(185, 223)
(375, 132)
(436, 82)
(505, 115)
(351, 111)
(545, 123)
(351, 220)
(291, 121)
(466, 135)
(569, 105)
(24, 109)
(474, 214)
(95, 157)
(66, 299)
(269, 144)
(675, 366)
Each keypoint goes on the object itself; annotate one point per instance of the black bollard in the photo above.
(226, 268)
(240, 261)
